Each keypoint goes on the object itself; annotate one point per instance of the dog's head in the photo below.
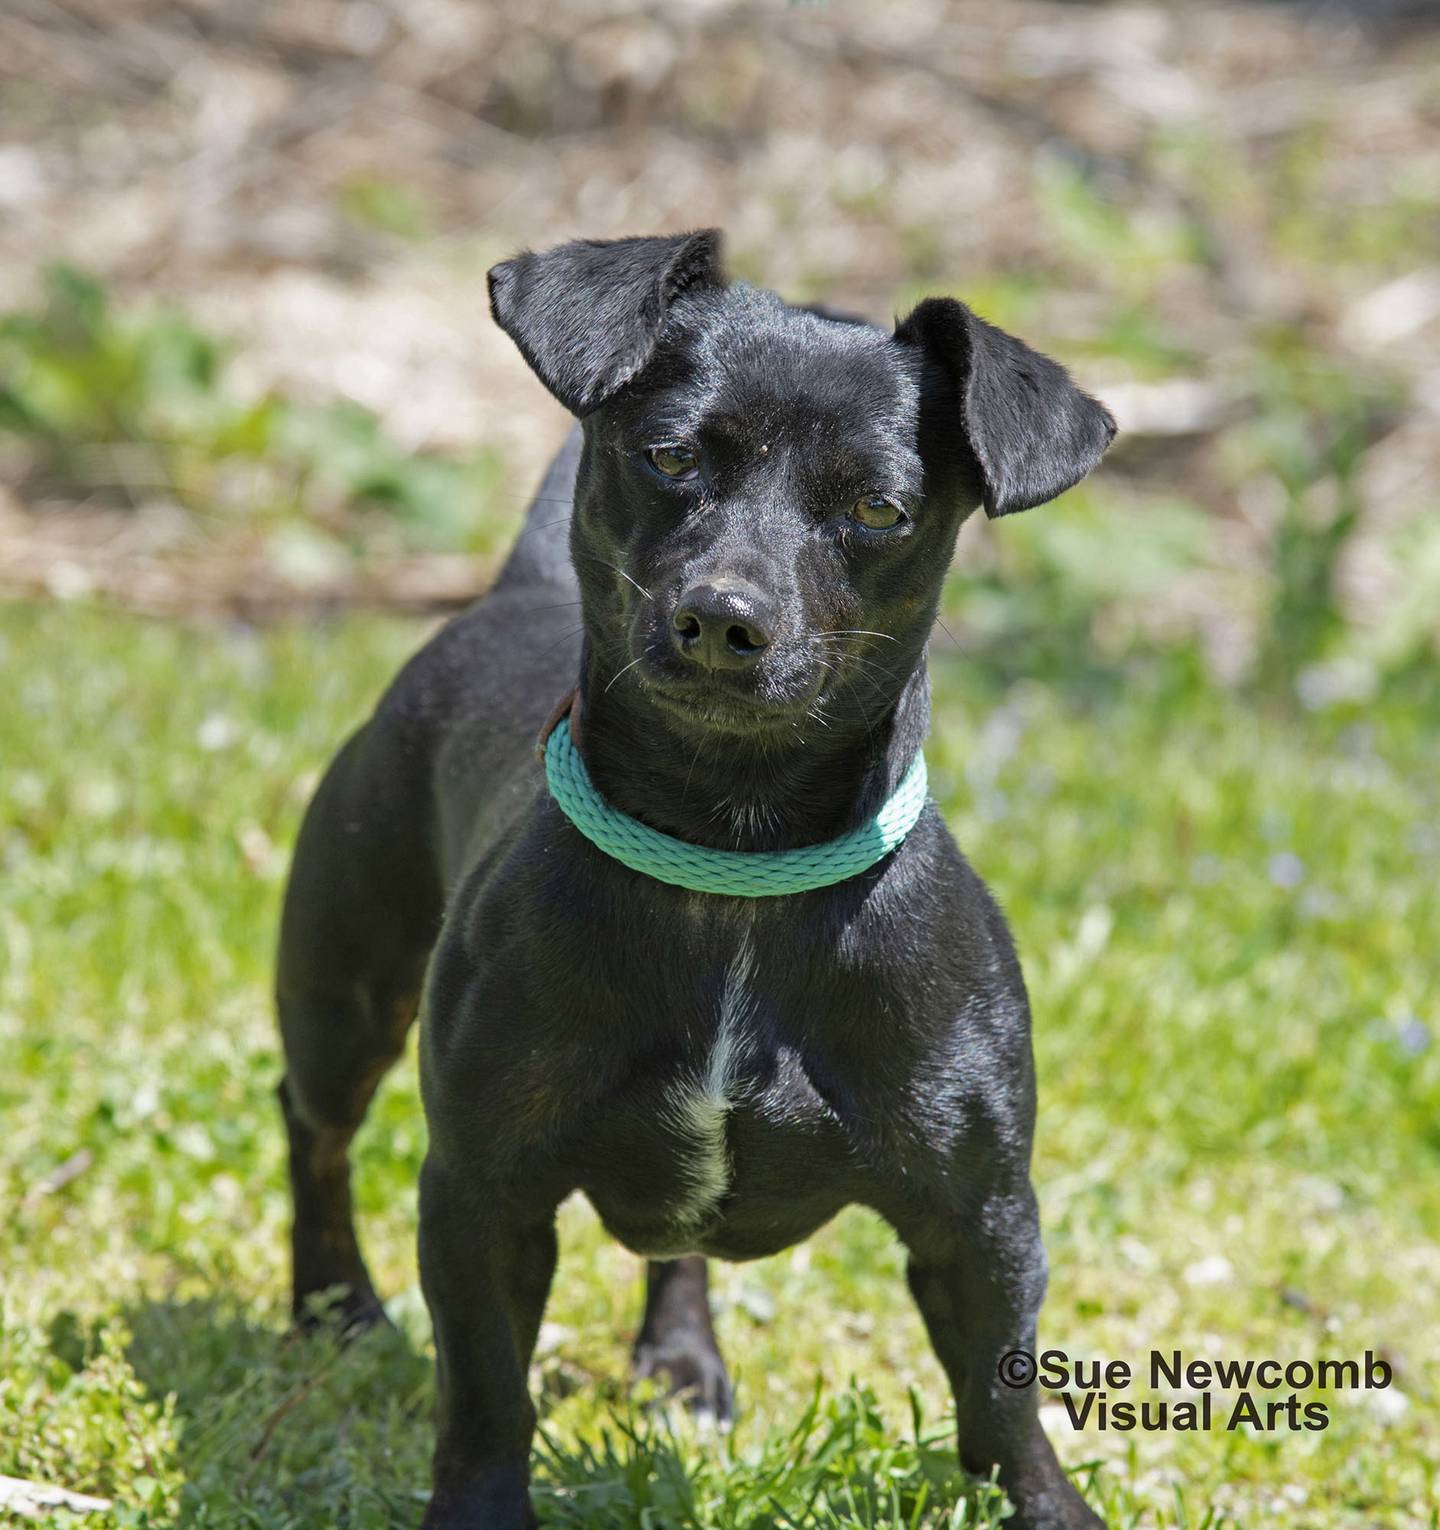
(771, 494)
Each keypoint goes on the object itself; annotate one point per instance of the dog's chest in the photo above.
(697, 1104)
(730, 1144)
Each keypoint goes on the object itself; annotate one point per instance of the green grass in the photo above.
(1228, 923)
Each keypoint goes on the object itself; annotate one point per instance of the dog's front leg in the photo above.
(485, 1265)
(979, 1284)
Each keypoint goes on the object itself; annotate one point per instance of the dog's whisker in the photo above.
(817, 715)
(542, 526)
(685, 790)
(618, 673)
(564, 638)
(595, 558)
(869, 667)
(940, 622)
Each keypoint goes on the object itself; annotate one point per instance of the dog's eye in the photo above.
(674, 461)
(876, 512)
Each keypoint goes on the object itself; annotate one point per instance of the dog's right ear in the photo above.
(1031, 432)
(586, 315)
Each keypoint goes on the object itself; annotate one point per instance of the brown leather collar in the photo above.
(567, 706)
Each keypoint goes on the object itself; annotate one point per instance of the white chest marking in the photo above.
(697, 1107)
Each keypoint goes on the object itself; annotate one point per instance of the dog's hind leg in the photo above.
(323, 1107)
(360, 915)
(676, 1344)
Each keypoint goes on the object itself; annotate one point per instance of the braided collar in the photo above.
(734, 873)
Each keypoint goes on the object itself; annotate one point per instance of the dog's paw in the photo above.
(689, 1371)
(347, 1310)
(493, 1501)
(1055, 1507)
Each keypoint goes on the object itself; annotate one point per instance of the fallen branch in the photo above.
(35, 1499)
(287, 1405)
(60, 1176)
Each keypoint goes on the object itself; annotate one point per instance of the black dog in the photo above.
(756, 518)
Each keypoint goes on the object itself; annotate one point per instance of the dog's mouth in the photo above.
(713, 703)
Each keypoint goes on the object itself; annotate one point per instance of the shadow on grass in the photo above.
(294, 1432)
(285, 1430)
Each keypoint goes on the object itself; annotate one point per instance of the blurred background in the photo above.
(258, 434)
(246, 364)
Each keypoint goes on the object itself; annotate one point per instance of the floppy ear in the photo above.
(1031, 431)
(586, 315)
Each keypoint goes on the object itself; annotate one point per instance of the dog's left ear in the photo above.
(586, 315)
(1030, 430)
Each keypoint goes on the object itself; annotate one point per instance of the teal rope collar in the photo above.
(736, 873)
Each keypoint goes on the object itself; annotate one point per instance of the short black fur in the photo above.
(713, 558)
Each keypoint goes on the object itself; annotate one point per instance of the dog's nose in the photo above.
(722, 623)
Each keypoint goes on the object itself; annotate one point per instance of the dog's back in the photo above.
(445, 761)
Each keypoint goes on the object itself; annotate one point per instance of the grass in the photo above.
(1227, 918)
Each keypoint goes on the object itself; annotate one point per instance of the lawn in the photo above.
(1227, 915)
